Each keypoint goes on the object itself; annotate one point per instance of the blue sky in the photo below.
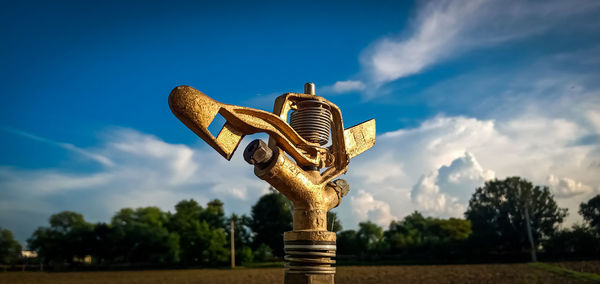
(462, 92)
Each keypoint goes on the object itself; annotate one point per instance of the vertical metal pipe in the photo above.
(308, 254)
(530, 235)
(309, 88)
(232, 244)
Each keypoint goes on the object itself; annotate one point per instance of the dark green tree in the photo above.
(263, 253)
(590, 211)
(333, 223)
(442, 230)
(103, 244)
(496, 212)
(370, 238)
(348, 243)
(10, 249)
(409, 232)
(579, 241)
(271, 217)
(68, 237)
(426, 238)
(141, 236)
(214, 214)
(202, 238)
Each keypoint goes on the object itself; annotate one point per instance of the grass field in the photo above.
(484, 273)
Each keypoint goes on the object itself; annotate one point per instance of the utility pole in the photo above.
(525, 210)
(232, 245)
(530, 235)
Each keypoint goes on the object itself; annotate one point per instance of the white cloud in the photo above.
(48, 182)
(67, 146)
(566, 187)
(443, 29)
(365, 207)
(594, 119)
(445, 191)
(177, 159)
(341, 87)
(428, 198)
(434, 36)
(436, 166)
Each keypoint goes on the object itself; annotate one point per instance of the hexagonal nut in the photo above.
(258, 152)
(343, 186)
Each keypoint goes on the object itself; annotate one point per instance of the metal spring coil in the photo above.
(310, 257)
(312, 121)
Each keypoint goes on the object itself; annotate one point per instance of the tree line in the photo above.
(494, 229)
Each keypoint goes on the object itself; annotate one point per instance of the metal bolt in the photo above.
(258, 153)
(309, 88)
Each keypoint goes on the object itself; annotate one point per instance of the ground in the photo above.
(480, 273)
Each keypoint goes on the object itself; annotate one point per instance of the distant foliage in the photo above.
(347, 243)
(10, 249)
(68, 237)
(418, 232)
(146, 236)
(199, 236)
(579, 241)
(496, 212)
(141, 236)
(415, 238)
(370, 238)
(244, 256)
(590, 211)
(582, 240)
(201, 232)
(263, 253)
(271, 217)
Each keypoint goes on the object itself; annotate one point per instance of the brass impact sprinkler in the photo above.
(306, 178)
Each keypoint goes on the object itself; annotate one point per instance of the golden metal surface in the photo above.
(311, 190)
(311, 199)
(197, 111)
(319, 236)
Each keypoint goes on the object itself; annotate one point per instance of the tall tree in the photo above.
(202, 237)
(496, 212)
(410, 232)
(590, 212)
(271, 217)
(348, 243)
(141, 236)
(103, 244)
(214, 214)
(415, 231)
(67, 238)
(10, 249)
(578, 241)
(370, 237)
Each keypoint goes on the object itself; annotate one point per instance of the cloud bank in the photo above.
(441, 30)
(435, 168)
